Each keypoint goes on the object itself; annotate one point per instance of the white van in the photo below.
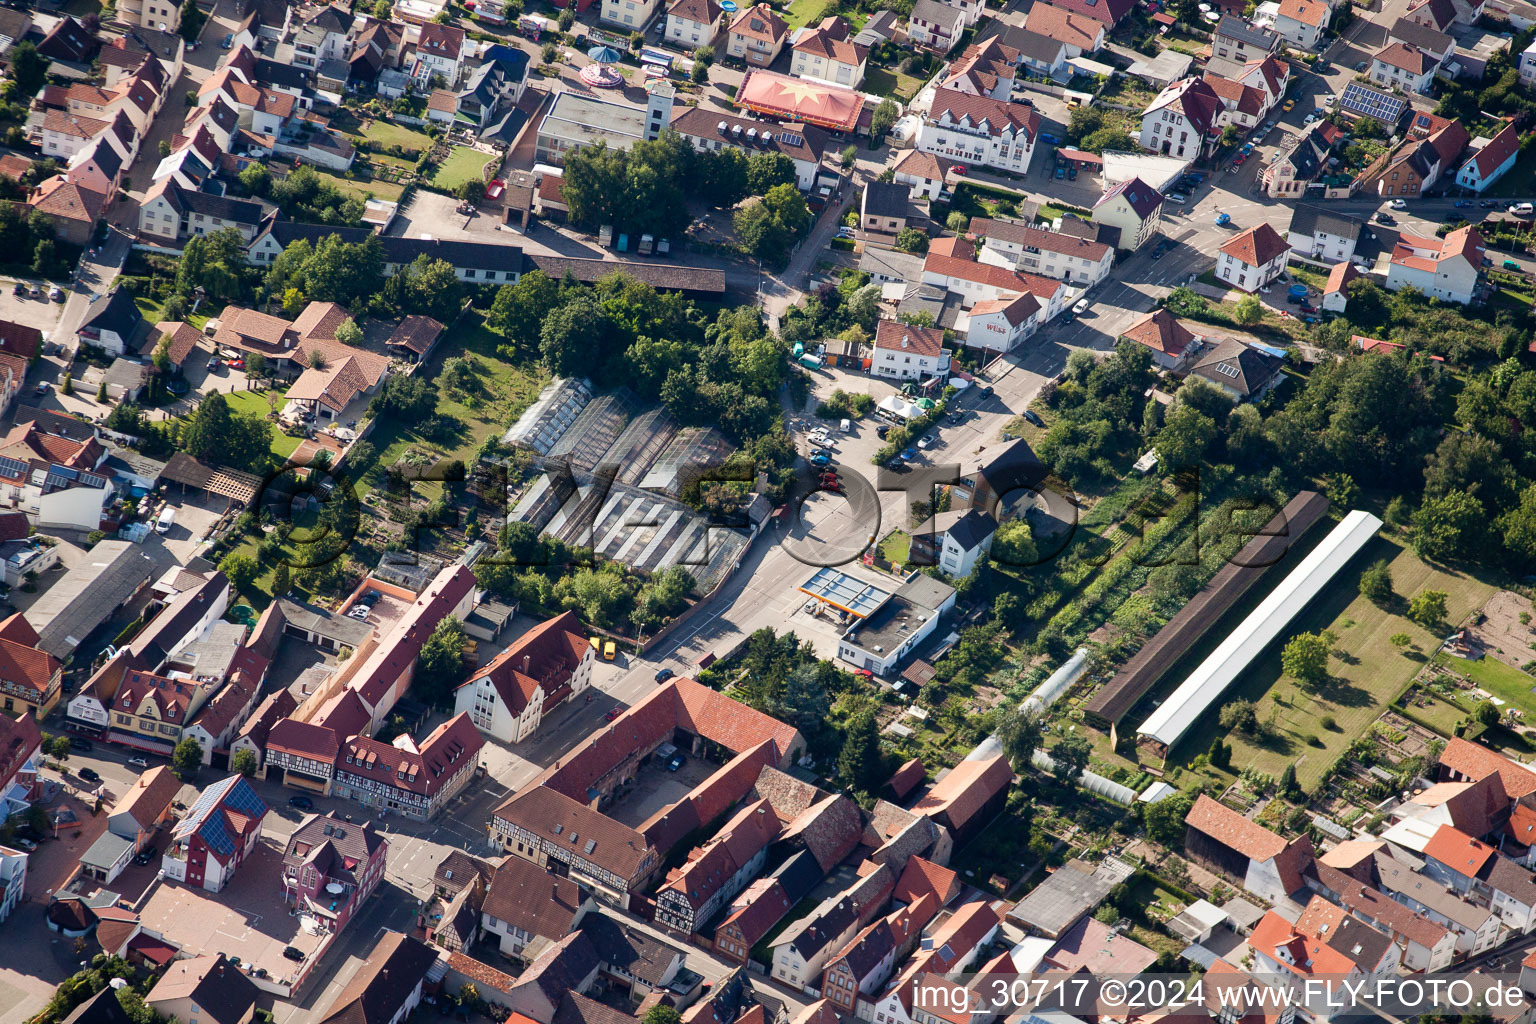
(847, 426)
(166, 521)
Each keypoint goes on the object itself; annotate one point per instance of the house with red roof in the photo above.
(717, 870)
(754, 913)
(1129, 212)
(1492, 160)
(1463, 760)
(1401, 66)
(1336, 291)
(1180, 120)
(1254, 258)
(980, 131)
(969, 796)
(1219, 838)
(1425, 945)
(1308, 952)
(507, 698)
(693, 23)
(405, 778)
(1172, 344)
(907, 352)
(1446, 268)
(829, 53)
(1106, 12)
(20, 740)
(30, 679)
(1303, 22)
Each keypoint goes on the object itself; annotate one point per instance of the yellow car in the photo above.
(1288, 106)
(609, 650)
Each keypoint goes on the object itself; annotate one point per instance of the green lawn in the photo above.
(505, 389)
(892, 83)
(896, 547)
(805, 12)
(463, 164)
(385, 133)
(256, 402)
(1508, 684)
(374, 189)
(1371, 674)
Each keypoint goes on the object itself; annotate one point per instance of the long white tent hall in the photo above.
(1172, 719)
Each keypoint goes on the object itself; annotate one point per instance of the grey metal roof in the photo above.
(110, 573)
(1060, 901)
(1233, 27)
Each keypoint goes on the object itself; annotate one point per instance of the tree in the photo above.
(282, 579)
(1448, 527)
(661, 1014)
(767, 171)
(1287, 784)
(549, 53)
(574, 335)
(1400, 640)
(440, 665)
(1019, 730)
(912, 240)
(1486, 713)
(1428, 608)
(1165, 818)
(67, 385)
(858, 764)
(29, 70)
(187, 758)
(192, 19)
(244, 762)
(1014, 543)
(101, 392)
(58, 747)
(348, 333)
(883, 120)
(1186, 436)
(1239, 715)
(469, 994)
(1069, 757)
(1220, 754)
(256, 179)
(704, 55)
(471, 191)
(699, 73)
(1249, 309)
(214, 433)
(241, 570)
(1376, 583)
(255, 365)
(1305, 657)
(384, 10)
(957, 222)
(1231, 135)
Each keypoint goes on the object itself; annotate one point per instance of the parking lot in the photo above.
(195, 518)
(39, 313)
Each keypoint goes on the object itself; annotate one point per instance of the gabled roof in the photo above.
(899, 337)
(217, 987)
(1426, 38)
(1458, 851)
(965, 790)
(1474, 761)
(1500, 148)
(546, 657)
(1406, 57)
(1308, 12)
(831, 42)
(1311, 220)
(1233, 27)
(1108, 12)
(1234, 831)
(61, 198)
(1162, 332)
(923, 877)
(1066, 26)
(704, 12)
(1440, 14)
(527, 897)
(760, 22)
(1141, 197)
(151, 794)
(1194, 98)
(1257, 246)
(379, 990)
(996, 116)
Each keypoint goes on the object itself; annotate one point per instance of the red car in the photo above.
(237, 364)
(611, 715)
(960, 169)
(866, 673)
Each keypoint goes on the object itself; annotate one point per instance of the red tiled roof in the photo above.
(967, 788)
(1257, 246)
(1340, 276)
(897, 336)
(1064, 26)
(923, 877)
(1162, 332)
(1220, 822)
(906, 778)
(1405, 56)
(1499, 148)
(1107, 12)
(441, 755)
(998, 115)
(1458, 851)
(546, 657)
(1308, 12)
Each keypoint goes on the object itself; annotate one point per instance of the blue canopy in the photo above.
(604, 55)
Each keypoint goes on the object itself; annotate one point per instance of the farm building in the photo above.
(1204, 687)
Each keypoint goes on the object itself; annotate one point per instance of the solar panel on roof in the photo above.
(1361, 99)
(11, 467)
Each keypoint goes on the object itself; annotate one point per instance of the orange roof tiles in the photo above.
(1257, 246)
(1474, 761)
(1458, 851)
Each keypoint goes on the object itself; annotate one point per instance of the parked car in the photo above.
(138, 762)
(664, 675)
(20, 290)
(1061, 173)
(1072, 172)
(1288, 106)
(678, 760)
(1512, 265)
(227, 41)
(610, 650)
(26, 844)
(1489, 204)
(1308, 308)
(1178, 197)
(611, 714)
(81, 744)
(144, 856)
(1080, 307)
(1463, 204)
(214, 362)
(1385, 218)
(1159, 249)
(293, 953)
(1223, 219)
(90, 775)
(1360, 66)
(1398, 204)
(960, 169)
(56, 293)
(821, 459)
(1522, 209)
(882, 430)
(1034, 417)
(42, 388)
(301, 803)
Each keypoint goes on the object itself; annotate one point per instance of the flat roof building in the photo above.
(893, 629)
